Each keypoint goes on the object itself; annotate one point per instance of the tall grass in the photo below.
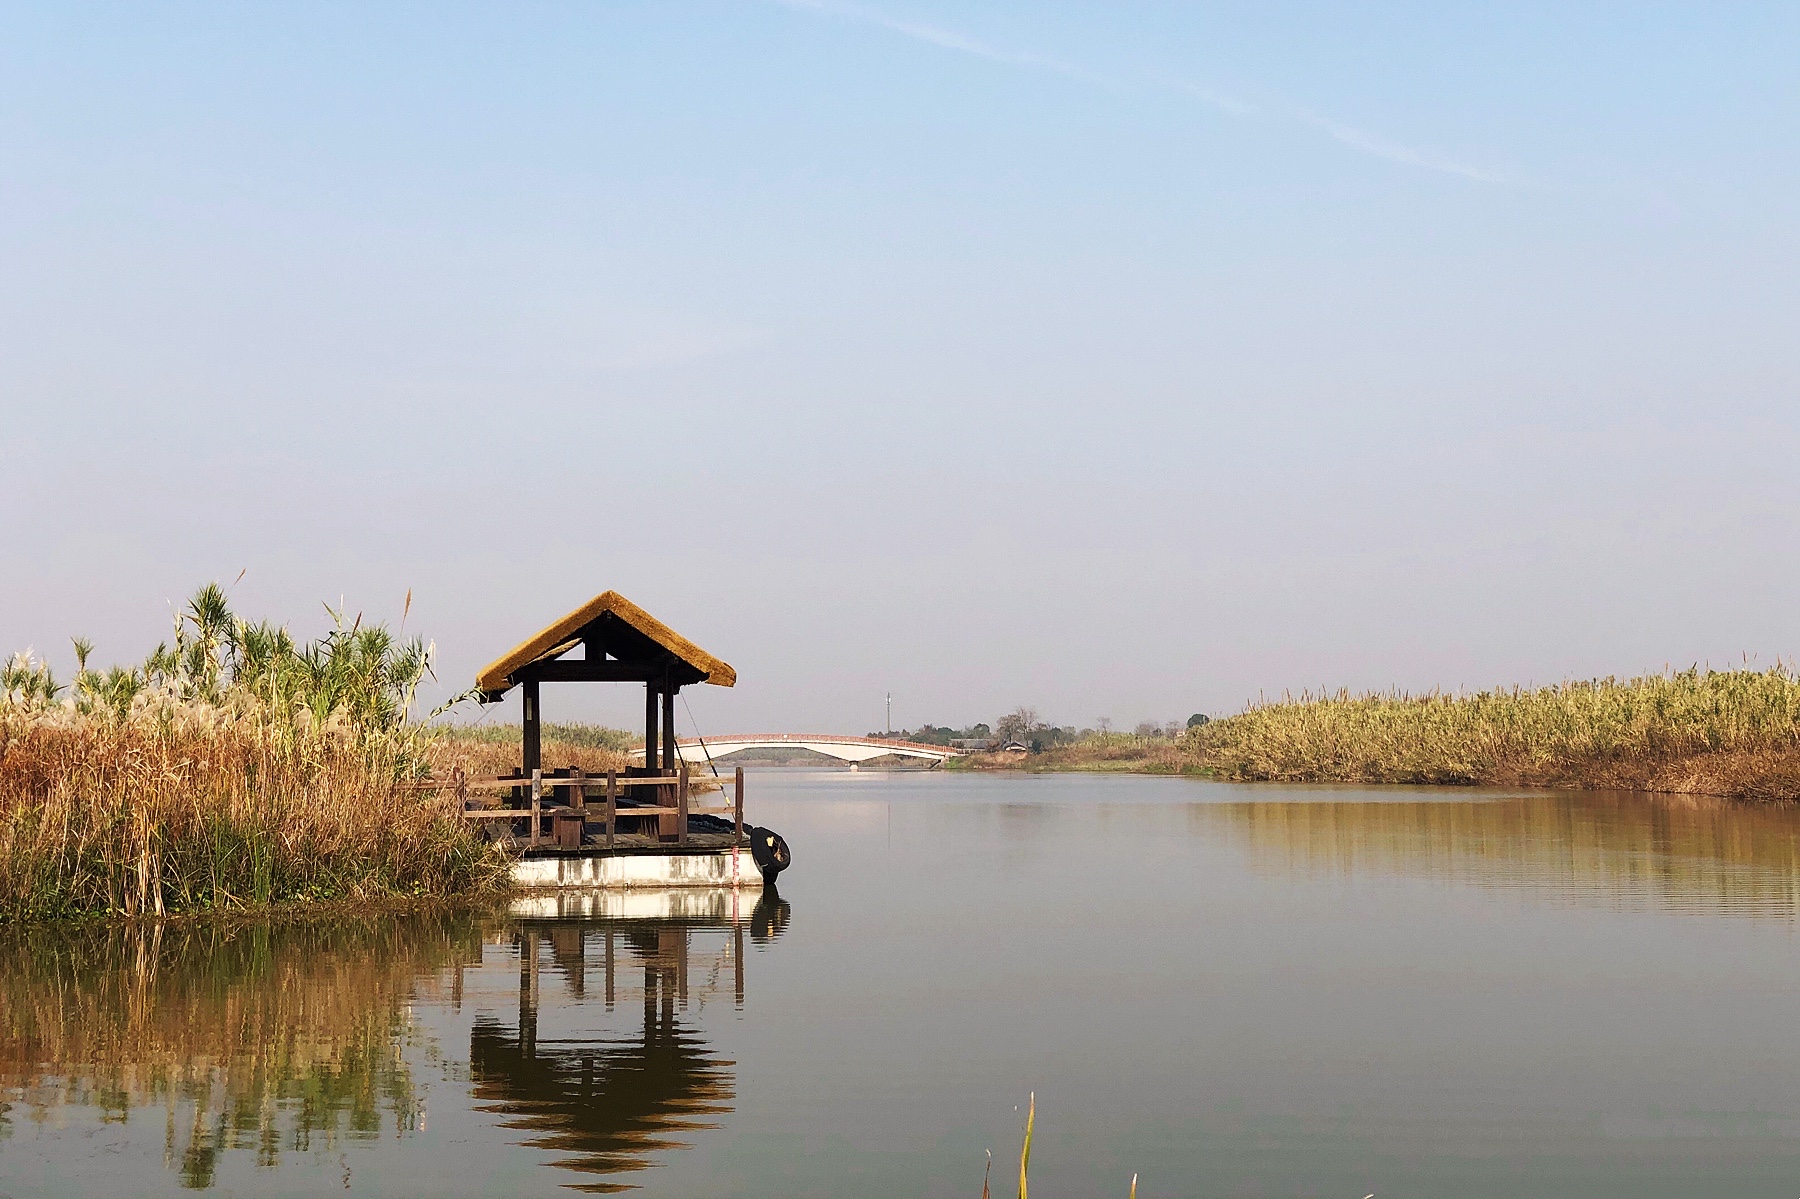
(484, 750)
(583, 736)
(1733, 733)
(234, 767)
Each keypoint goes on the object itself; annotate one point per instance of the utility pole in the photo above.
(890, 713)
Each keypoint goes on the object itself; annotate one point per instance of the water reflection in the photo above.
(604, 1101)
(1623, 850)
(259, 1038)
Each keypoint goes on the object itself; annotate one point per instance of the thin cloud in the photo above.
(944, 39)
(1381, 147)
(1355, 139)
(1230, 104)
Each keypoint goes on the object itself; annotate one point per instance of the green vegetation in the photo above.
(930, 734)
(234, 767)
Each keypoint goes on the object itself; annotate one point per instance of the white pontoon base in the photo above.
(671, 867)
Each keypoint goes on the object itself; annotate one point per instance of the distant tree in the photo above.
(1148, 728)
(1196, 720)
(1017, 724)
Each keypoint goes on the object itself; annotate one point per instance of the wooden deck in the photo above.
(594, 842)
(572, 812)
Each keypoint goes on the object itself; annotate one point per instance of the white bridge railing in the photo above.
(845, 749)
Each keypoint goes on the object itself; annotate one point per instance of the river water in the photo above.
(1230, 991)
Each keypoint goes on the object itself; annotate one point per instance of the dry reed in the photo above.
(1728, 733)
(1732, 733)
(237, 768)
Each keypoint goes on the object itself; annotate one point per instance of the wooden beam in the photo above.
(577, 671)
(507, 781)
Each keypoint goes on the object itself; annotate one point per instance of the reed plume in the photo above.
(234, 767)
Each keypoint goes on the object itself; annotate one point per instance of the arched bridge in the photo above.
(845, 749)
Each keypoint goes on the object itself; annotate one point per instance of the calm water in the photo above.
(1231, 991)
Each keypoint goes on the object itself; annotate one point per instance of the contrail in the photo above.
(1380, 147)
(945, 39)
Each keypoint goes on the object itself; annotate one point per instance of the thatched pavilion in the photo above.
(619, 643)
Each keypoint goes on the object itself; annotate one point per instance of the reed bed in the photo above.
(482, 751)
(234, 768)
(1733, 733)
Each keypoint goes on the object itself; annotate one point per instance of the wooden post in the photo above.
(739, 803)
(462, 790)
(578, 793)
(671, 755)
(537, 804)
(532, 734)
(650, 728)
(681, 808)
(612, 807)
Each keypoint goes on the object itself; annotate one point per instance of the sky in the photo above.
(1121, 360)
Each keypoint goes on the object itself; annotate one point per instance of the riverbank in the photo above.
(233, 769)
(1731, 734)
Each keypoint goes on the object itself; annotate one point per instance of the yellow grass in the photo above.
(235, 768)
(185, 807)
(1732, 733)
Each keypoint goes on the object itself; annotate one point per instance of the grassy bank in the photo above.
(1726, 733)
(234, 768)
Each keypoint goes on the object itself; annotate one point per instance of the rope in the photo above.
(712, 765)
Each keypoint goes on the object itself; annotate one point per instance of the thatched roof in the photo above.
(623, 642)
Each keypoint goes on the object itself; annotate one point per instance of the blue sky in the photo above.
(1123, 360)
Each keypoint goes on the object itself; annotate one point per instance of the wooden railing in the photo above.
(570, 814)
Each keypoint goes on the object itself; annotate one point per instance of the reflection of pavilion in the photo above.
(605, 1102)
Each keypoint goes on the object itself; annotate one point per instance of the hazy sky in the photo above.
(1124, 360)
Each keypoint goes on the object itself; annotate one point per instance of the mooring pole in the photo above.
(681, 807)
(739, 803)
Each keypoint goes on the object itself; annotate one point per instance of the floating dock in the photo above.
(633, 828)
(638, 868)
